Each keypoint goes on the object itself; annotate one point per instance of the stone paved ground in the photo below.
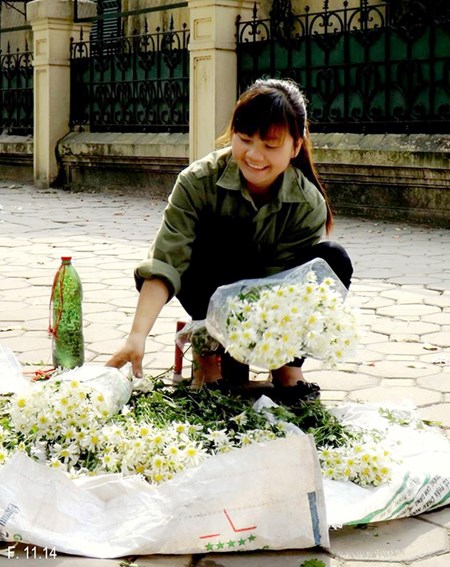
(401, 283)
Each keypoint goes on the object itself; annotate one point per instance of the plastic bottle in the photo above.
(66, 319)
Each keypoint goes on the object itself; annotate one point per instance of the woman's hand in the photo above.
(133, 352)
(152, 298)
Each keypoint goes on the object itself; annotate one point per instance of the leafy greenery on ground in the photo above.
(213, 409)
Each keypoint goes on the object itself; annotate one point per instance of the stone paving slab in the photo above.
(400, 541)
(267, 559)
(401, 285)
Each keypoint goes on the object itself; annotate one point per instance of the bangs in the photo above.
(262, 113)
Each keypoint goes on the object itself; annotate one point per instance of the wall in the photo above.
(398, 177)
(395, 177)
(147, 163)
(16, 158)
(11, 16)
(154, 19)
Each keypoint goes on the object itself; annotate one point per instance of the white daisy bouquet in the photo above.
(367, 462)
(300, 312)
(68, 425)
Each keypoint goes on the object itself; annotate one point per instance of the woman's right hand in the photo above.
(133, 352)
(153, 296)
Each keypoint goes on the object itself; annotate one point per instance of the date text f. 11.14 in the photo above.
(31, 552)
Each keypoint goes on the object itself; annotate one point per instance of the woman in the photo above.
(251, 209)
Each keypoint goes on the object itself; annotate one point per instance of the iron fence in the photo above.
(16, 69)
(131, 82)
(374, 67)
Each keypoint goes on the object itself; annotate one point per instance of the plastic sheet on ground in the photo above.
(421, 481)
(262, 496)
(12, 380)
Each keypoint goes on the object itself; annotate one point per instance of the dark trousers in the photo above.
(203, 278)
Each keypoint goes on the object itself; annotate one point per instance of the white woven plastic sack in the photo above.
(266, 495)
(421, 480)
(12, 379)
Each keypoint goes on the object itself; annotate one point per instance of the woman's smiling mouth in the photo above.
(254, 166)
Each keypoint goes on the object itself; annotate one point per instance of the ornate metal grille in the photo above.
(13, 15)
(376, 67)
(131, 83)
(16, 70)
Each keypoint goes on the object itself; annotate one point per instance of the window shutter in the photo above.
(107, 26)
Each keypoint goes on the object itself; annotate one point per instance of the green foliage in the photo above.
(203, 343)
(313, 563)
(209, 407)
(205, 406)
(4, 416)
(315, 418)
(399, 417)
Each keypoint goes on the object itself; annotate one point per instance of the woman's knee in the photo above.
(336, 257)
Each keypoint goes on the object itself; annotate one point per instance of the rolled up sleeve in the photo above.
(170, 253)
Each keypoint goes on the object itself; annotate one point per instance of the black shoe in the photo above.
(286, 395)
(253, 390)
(235, 373)
(301, 392)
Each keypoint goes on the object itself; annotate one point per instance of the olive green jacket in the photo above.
(213, 188)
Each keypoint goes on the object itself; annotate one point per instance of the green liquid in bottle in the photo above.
(66, 327)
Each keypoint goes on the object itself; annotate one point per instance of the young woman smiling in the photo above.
(251, 209)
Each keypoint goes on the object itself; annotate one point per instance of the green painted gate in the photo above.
(127, 77)
(16, 69)
(376, 67)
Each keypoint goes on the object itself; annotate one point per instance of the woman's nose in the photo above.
(255, 153)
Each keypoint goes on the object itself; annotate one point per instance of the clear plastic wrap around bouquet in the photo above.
(271, 321)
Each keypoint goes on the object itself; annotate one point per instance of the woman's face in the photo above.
(262, 161)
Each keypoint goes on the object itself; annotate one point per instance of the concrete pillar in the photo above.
(213, 68)
(53, 26)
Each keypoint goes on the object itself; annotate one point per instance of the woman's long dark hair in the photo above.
(269, 102)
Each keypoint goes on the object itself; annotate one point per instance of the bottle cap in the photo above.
(66, 258)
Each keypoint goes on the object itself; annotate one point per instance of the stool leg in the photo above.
(178, 362)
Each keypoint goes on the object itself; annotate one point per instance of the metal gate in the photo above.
(128, 77)
(16, 69)
(375, 67)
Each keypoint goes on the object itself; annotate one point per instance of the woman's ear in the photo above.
(297, 147)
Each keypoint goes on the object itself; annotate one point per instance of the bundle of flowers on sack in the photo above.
(300, 312)
(163, 430)
(366, 462)
(67, 424)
